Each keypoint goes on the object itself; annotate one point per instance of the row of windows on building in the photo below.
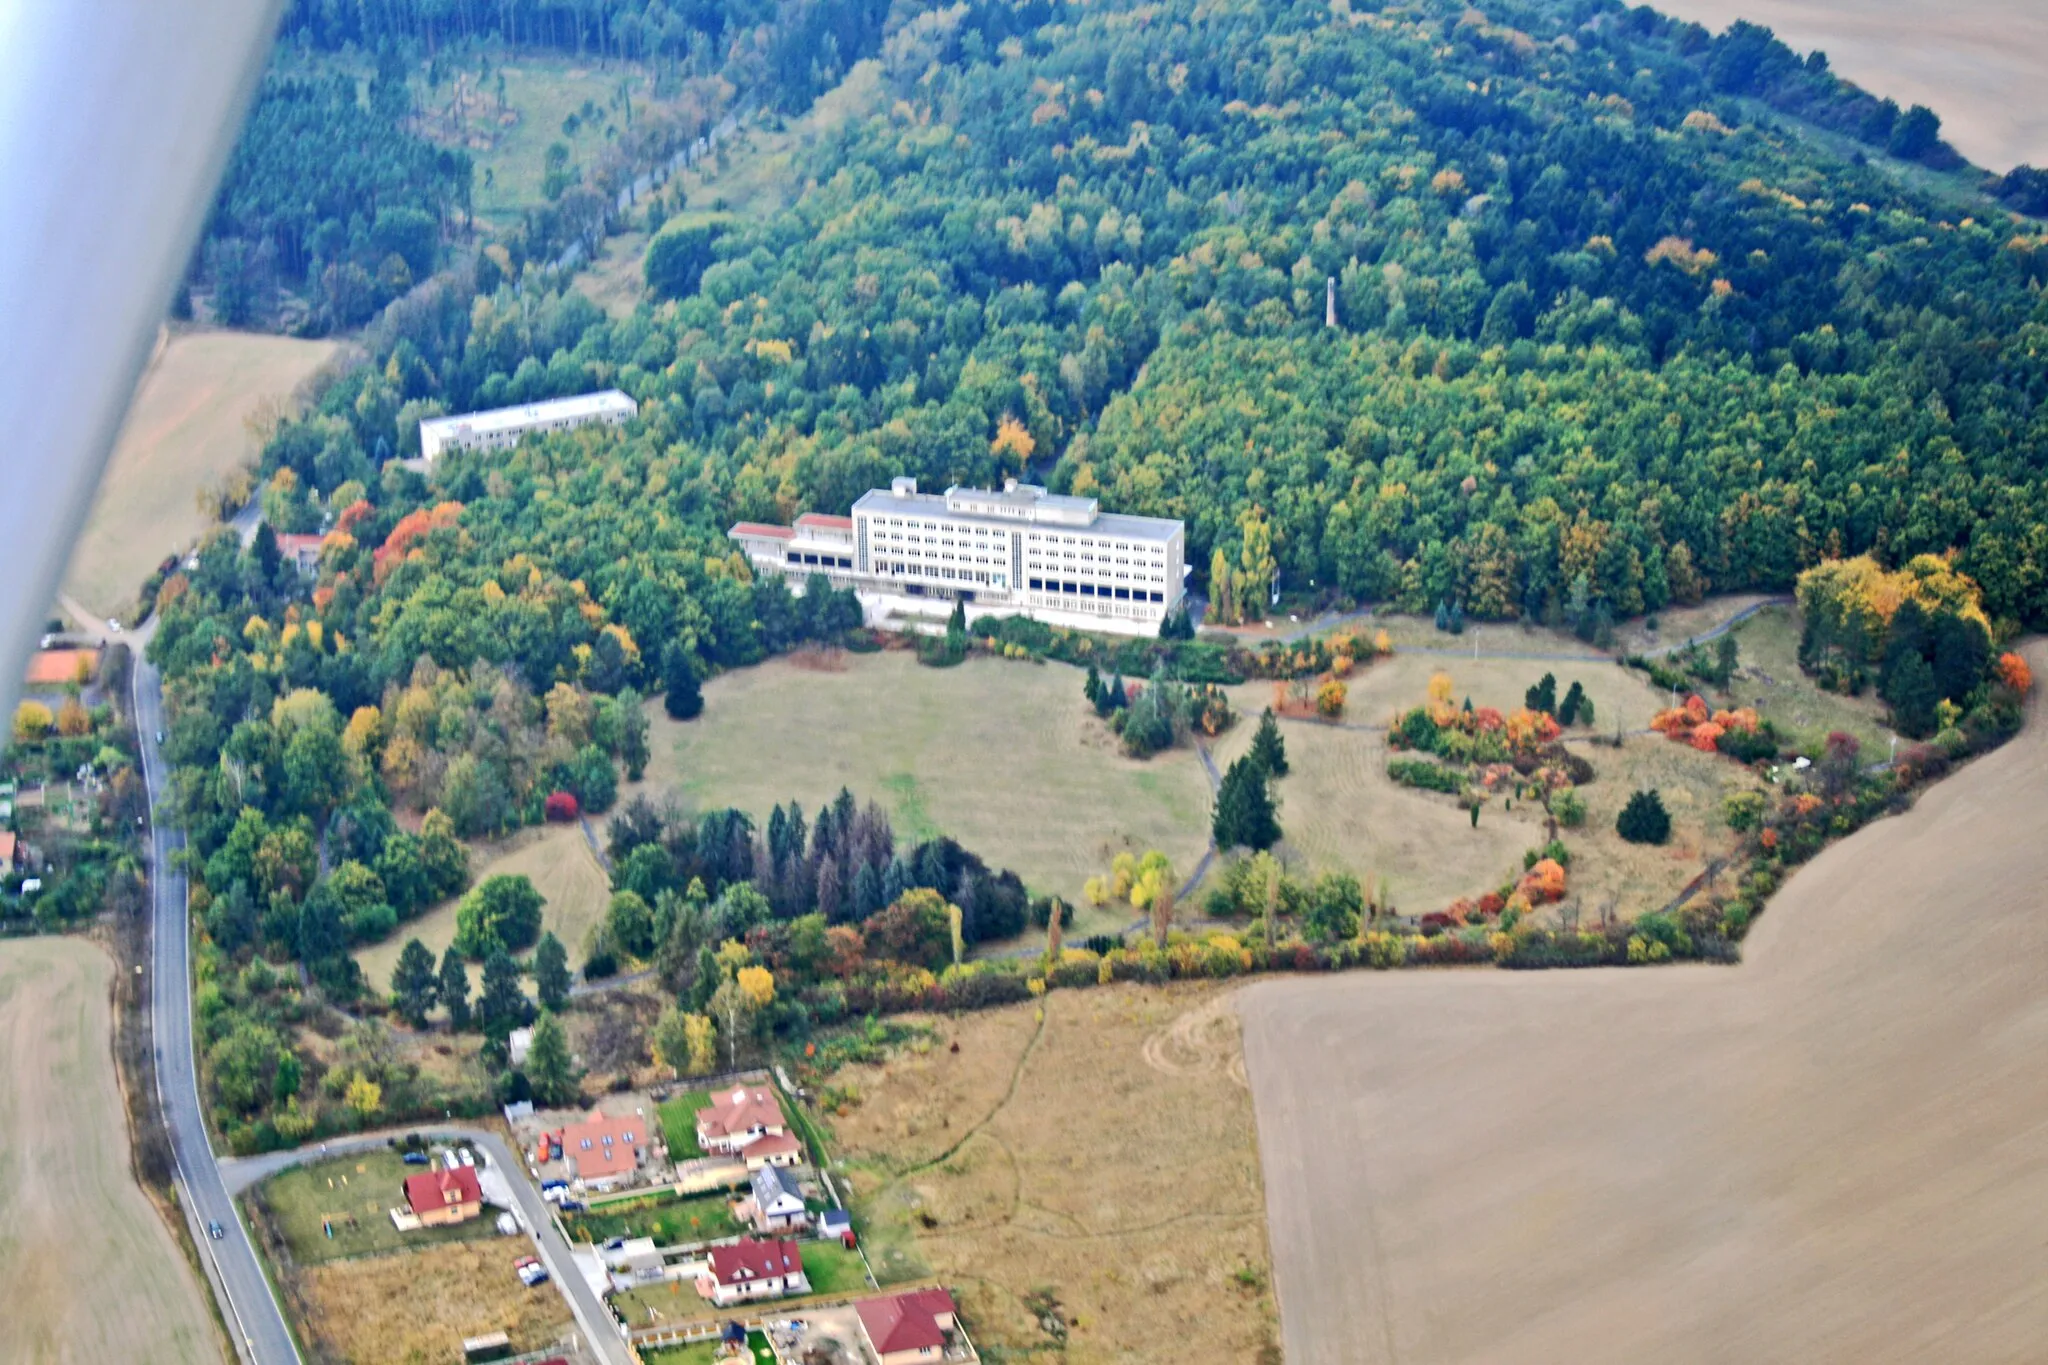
(1032, 541)
(1096, 590)
(822, 561)
(939, 571)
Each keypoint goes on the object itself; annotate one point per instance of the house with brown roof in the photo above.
(913, 1328)
(738, 1118)
(439, 1196)
(602, 1152)
(752, 1269)
(302, 552)
(773, 1149)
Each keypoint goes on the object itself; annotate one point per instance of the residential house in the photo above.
(10, 851)
(905, 1329)
(301, 552)
(738, 1118)
(776, 1205)
(836, 1225)
(440, 1196)
(603, 1152)
(751, 1269)
(774, 1149)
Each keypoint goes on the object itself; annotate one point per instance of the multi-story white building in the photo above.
(1020, 551)
(501, 428)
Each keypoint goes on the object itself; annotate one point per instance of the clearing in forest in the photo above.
(91, 1271)
(188, 427)
(1005, 757)
(1123, 1210)
(1827, 1152)
(563, 868)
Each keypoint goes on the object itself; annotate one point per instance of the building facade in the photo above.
(1015, 551)
(502, 428)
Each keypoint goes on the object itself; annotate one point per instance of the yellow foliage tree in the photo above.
(364, 1096)
(702, 1040)
(1012, 440)
(73, 719)
(32, 720)
(758, 983)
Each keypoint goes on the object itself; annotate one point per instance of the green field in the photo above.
(668, 1219)
(1770, 679)
(1003, 756)
(832, 1269)
(697, 1353)
(679, 1123)
(363, 1187)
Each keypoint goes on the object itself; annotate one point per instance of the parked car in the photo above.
(159, 736)
(468, 1159)
(415, 1158)
(113, 625)
(215, 1230)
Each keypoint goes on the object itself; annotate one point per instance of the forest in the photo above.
(1612, 330)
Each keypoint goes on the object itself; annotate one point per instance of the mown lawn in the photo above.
(669, 1220)
(679, 1123)
(832, 1269)
(353, 1195)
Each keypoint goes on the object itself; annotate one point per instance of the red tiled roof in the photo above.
(438, 1189)
(603, 1145)
(825, 519)
(905, 1322)
(771, 1144)
(757, 528)
(6, 848)
(54, 667)
(748, 1259)
(739, 1110)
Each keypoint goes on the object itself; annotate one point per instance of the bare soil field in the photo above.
(564, 870)
(1005, 757)
(1102, 1161)
(1980, 64)
(419, 1305)
(186, 428)
(1827, 1153)
(92, 1274)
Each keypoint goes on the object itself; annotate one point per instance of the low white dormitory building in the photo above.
(1019, 551)
(501, 428)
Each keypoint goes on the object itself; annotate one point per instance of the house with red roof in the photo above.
(301, 552)
(912, 1328)
(602, 1152)
(741, 1117)
(753, 1269)
(439, 1196)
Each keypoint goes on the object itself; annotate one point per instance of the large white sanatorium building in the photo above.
(1021, 551)
(501, 428)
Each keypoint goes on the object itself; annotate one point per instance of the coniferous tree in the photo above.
(1116, 698)
(502, 1007)
(551, 972)
(1574, 701)
(454, 989)
(1644, 820)
(414, 983)
(684, 697)
(549, 1069)
(1543, 696)
(1913, 696)
(1269, 748)
(1244, 808)
(1091, 687)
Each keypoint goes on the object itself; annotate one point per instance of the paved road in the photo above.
(251, 1311)
(592, 1316)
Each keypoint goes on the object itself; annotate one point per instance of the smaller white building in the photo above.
(502, 428)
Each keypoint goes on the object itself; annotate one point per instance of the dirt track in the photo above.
(1830, 1153)
(91, 1275)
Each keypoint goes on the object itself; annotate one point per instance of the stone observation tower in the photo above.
(1330, 302)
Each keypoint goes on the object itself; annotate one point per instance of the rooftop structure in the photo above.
(1018, 550)
(501, 428)
(751, 1269)
(738, 1117)
(444, 1196)
(905, 1328)
(603, 1150)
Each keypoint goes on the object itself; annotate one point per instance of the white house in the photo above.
(750, 1269)
(502, 428)
(776, 1205)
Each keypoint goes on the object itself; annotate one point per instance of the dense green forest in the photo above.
(1613, 328)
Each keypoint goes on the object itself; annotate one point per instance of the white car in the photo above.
(113, 625)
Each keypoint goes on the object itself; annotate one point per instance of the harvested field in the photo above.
(419, 1305)
(1827, 1153)
(186, 428)
(564, 870)
(1005, 757)
(92, 1274)
(1977, 63)
(1104, 1158)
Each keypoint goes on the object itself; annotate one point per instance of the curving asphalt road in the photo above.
(206, 1184)
(239, 1173)
(250, 1309)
